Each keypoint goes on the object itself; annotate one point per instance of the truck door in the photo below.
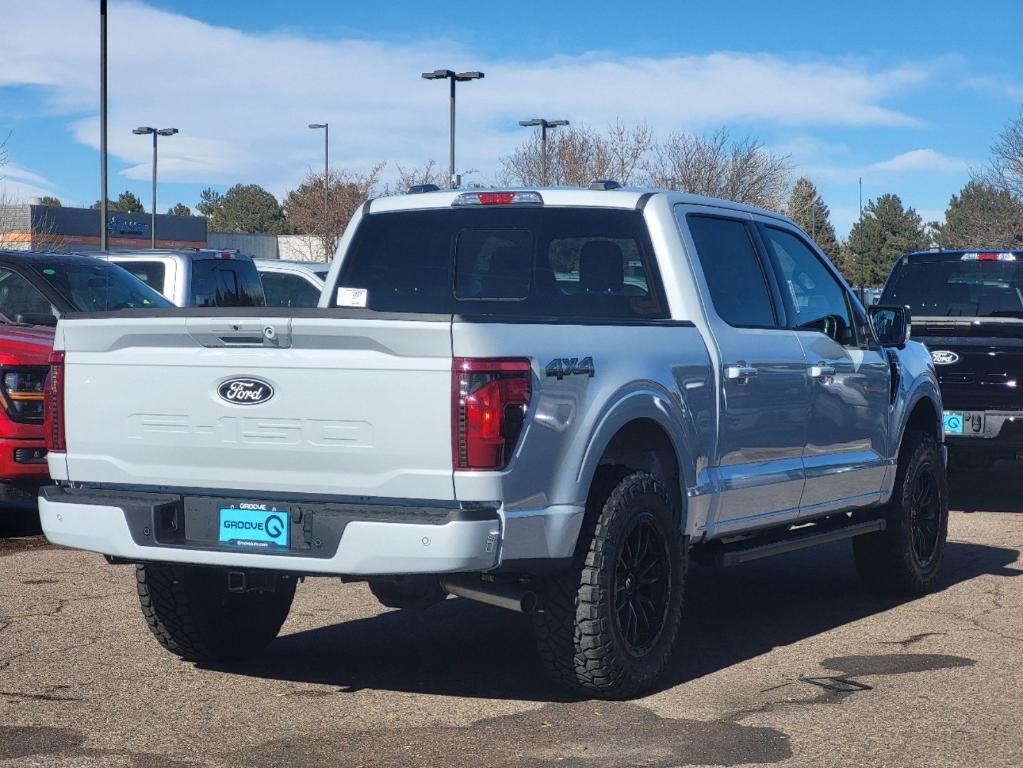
(763, 395)
(848, 376)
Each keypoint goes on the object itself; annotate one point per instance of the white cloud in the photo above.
(926, 160)
(19, 185)
(11, 171)
(242, 100)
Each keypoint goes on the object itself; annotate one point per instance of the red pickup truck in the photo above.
(24, 356)
(35, 289)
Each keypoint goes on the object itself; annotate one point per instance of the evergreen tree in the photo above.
(49, 200)
(886, 232)
(807, 209)
(243, 208)
(126, 202)
(981, 216)
(179, 209)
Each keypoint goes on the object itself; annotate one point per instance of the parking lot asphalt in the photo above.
(784, 662)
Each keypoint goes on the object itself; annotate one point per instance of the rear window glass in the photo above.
(225, 283)
(957, 288)
(566, 263)
(152, 273)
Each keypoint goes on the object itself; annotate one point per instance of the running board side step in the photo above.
(799, 541)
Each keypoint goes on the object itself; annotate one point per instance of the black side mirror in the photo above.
(891, 324)
(35, 318)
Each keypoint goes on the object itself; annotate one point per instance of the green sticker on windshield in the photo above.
(49, 271)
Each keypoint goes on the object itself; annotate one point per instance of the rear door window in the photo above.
(225, 283)
(733, 270)
(565, 263)
(287, 290)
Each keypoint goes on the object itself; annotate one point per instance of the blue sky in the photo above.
(907, 95)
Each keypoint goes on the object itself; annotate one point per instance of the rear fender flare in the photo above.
(650, 402)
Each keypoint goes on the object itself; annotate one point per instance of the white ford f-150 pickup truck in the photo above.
(547, 400)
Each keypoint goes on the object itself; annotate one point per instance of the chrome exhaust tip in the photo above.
(512, 597)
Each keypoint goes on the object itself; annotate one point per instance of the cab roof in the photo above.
(622, 198)
(974, 254)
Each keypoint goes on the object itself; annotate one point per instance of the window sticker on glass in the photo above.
(352, 297)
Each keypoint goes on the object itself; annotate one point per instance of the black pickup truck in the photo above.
(967, 307)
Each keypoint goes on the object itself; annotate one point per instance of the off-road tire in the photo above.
(889, 561)
(578, 636)
(192, 614)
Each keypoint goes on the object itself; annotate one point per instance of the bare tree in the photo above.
(578, 155)
(718, 166)
(325, 217)
(427, 173)
(1005, 169)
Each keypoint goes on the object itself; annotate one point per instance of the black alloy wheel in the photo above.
(642, 585)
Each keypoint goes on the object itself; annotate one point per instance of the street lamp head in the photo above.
(438, 74)
(463, 76)
(317, 125)
(143, 130)
(530, 123)
(556, 123)
(167, 131)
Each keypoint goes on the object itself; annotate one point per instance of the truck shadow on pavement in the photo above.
(465, 649)
(999, 489)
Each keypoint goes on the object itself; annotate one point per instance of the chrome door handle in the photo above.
(740, 372)
(822, 371)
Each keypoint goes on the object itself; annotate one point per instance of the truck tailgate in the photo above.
(358, 406)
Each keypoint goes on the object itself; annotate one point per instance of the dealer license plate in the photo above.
(255, 525)
(953, 422)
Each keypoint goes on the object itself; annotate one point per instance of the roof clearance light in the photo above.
(498, 198)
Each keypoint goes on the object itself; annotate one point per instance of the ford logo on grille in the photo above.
(944, 357)
(248, 391)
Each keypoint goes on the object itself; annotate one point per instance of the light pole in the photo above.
(326, 160)
(144, 131)
(460, 77)
(103, 125)
(544, 125)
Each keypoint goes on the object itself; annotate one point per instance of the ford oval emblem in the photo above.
(944, 357)
(245, 391)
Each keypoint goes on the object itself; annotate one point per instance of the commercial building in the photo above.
(33, 227)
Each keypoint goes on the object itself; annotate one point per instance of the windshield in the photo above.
(96, 286)
(958, 288)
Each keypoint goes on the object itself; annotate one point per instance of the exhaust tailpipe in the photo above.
(502, 595)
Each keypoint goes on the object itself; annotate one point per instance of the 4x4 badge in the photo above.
(944, 357)
(569, 366)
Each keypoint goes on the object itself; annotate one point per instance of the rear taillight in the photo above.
(489, 400)
(53, 421)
